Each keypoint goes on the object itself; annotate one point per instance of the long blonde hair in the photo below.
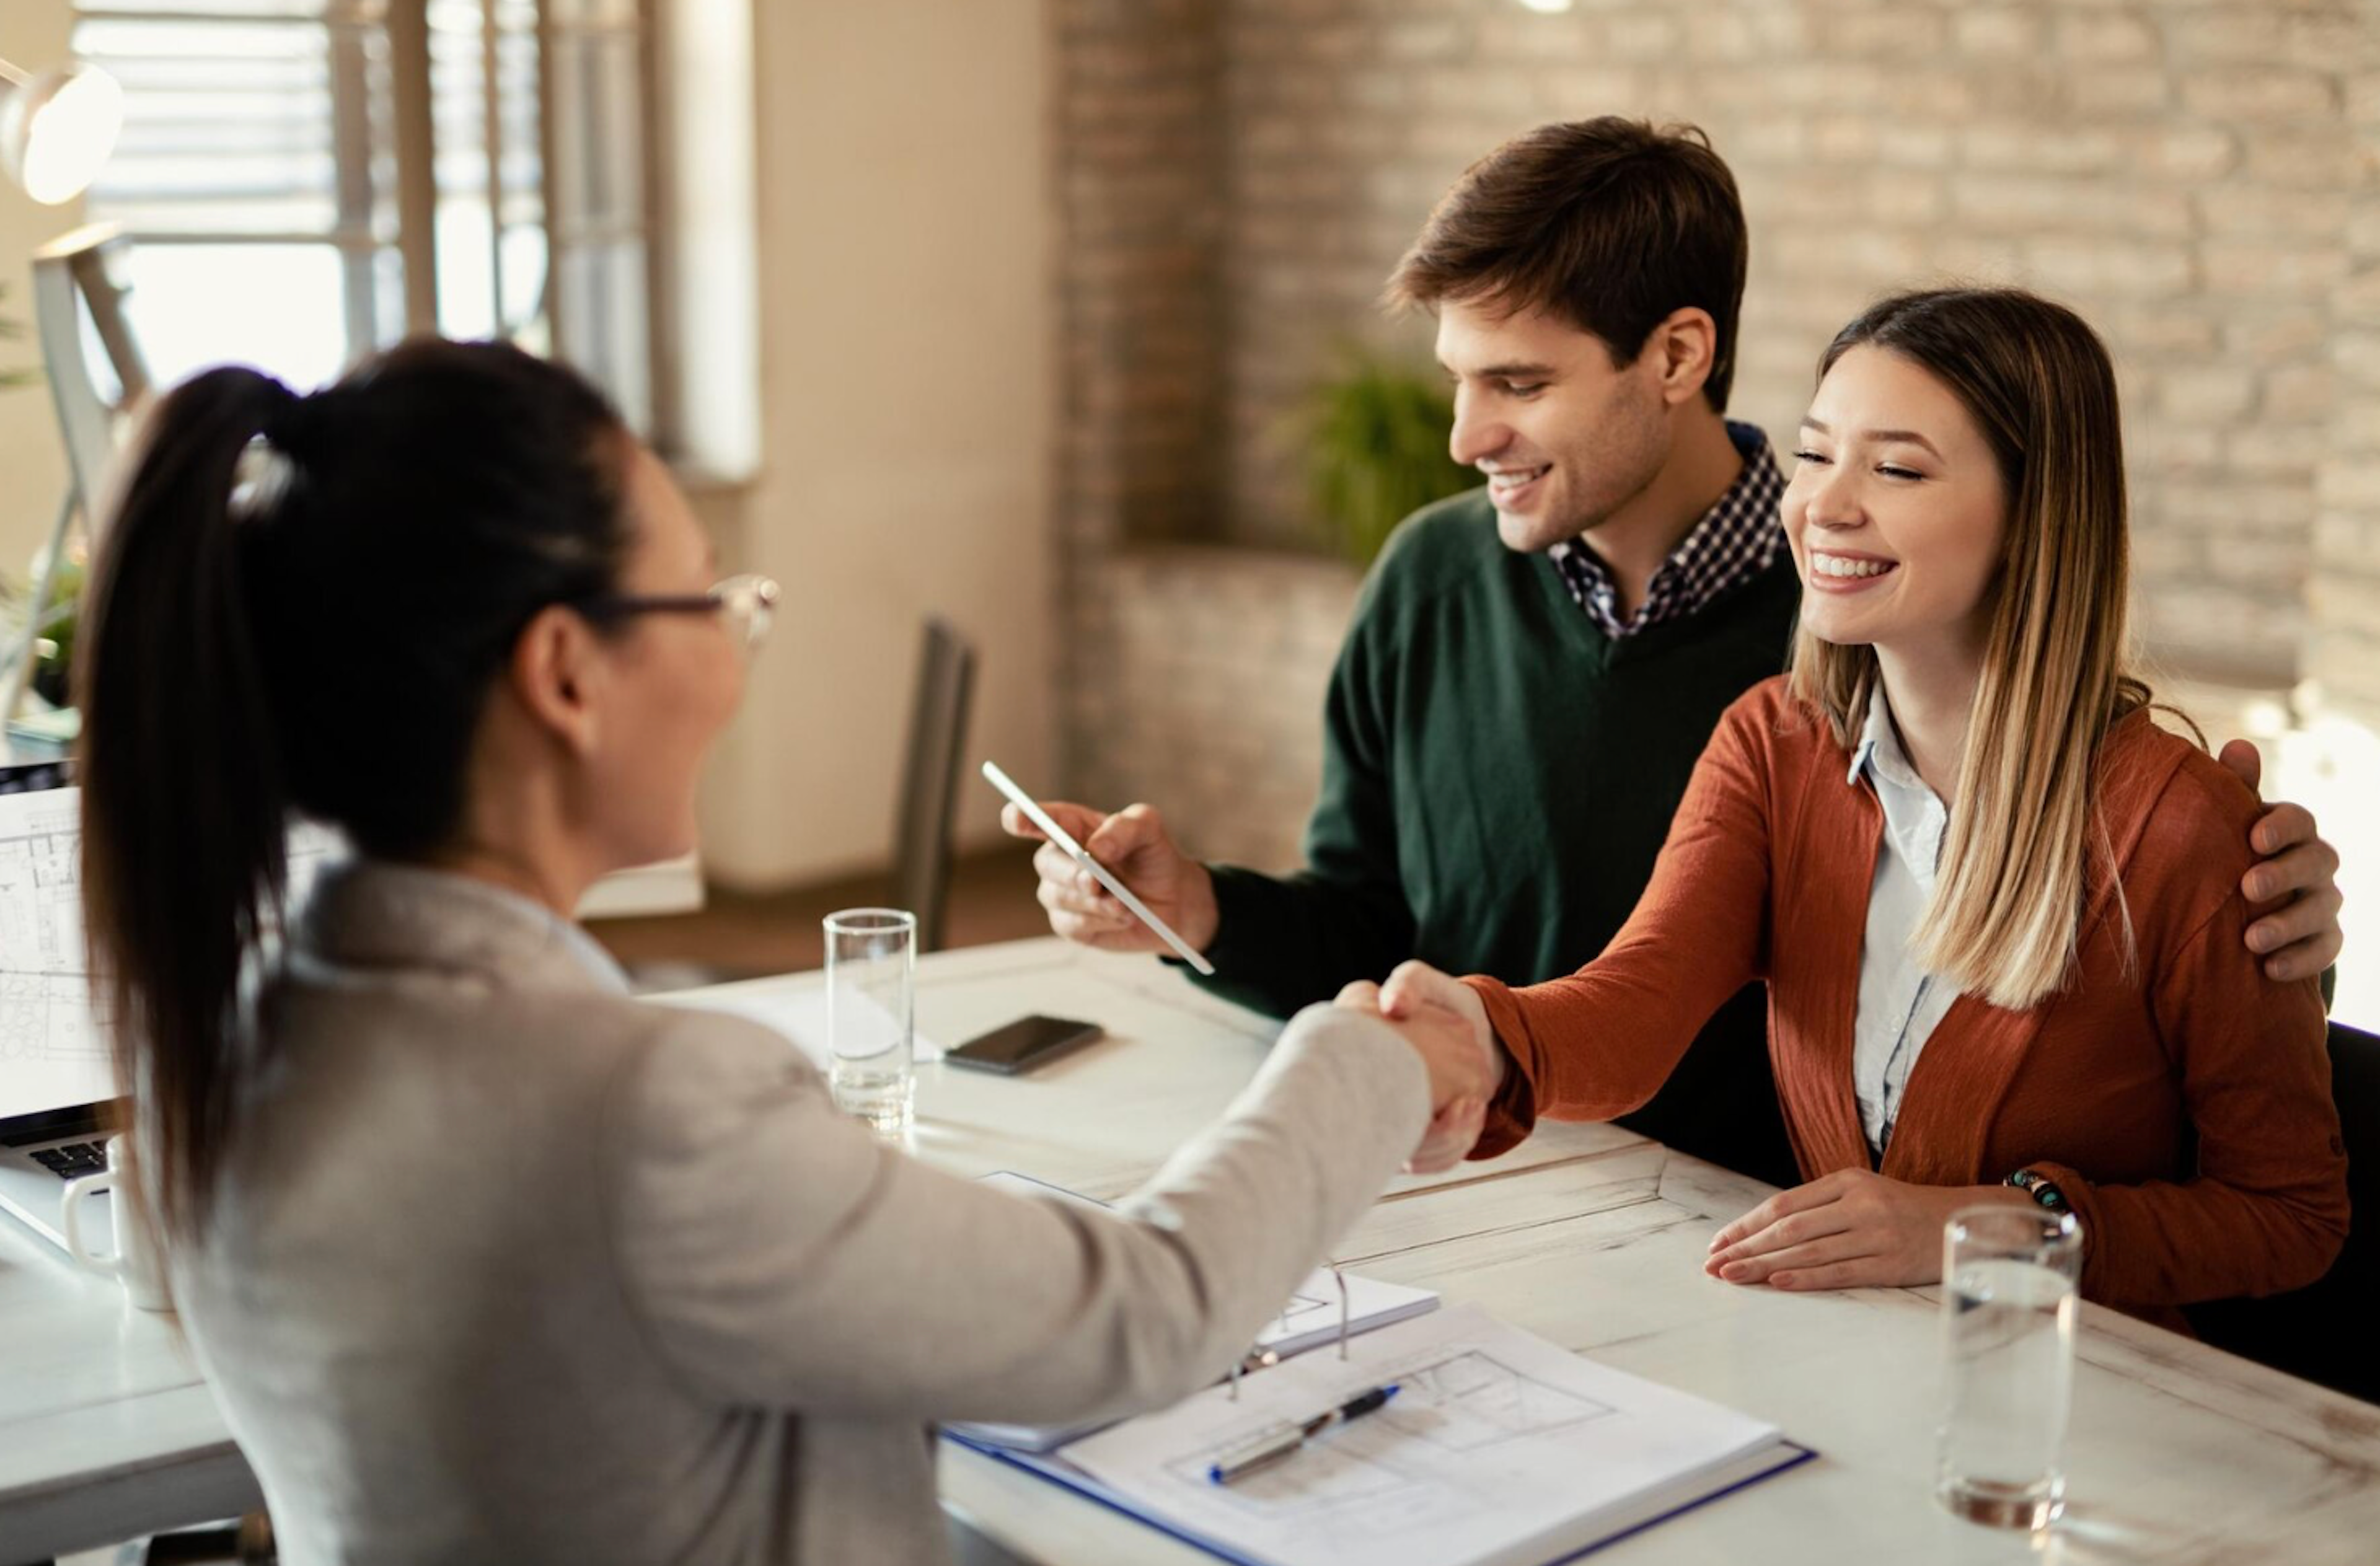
(2008, 897)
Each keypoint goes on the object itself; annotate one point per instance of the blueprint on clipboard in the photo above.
(50, 1049)
(53, 1042)
(1498, 1449)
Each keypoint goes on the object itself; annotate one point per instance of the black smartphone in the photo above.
(1023, 1044)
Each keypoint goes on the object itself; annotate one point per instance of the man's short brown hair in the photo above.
(1611, 223)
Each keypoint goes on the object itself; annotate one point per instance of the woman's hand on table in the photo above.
(1854, 1229)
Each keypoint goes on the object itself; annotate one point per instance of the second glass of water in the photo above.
(871, 964)
(2010, 1277)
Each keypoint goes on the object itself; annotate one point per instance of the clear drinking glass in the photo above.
(2009, 1279)
(872, 963)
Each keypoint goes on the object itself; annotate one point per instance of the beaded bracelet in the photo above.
(2041, 1188)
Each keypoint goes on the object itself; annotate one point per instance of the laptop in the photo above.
(56, 1084)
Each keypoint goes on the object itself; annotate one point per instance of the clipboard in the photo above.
(1563, 1458)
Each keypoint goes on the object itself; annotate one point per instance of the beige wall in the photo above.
(33, 462)
(906, 325)
(906, 330)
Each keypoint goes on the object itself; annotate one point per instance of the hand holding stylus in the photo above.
(1133, 845)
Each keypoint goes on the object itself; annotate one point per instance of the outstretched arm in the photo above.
(1601, 1041)
(780, 1256)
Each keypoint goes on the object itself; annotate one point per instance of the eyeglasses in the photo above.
(748, 602)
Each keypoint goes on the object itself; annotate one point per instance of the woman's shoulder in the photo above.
(2178, 818)
(1767, 701)
(2172, 775)
(1768, 721)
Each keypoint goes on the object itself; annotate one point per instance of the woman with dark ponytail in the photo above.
(486, 1260)
(347, 570)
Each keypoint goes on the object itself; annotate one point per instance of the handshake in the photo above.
(1439, 1017)
(1446, 1024)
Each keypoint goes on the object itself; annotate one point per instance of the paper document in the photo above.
(1500, 1449)
(1309, 1320)
(799, 1015)
(52, 1054)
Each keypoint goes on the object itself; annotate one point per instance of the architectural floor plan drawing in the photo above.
(1388, 1467)
(1473, 1401)
(1497, 1447)
(44, 1008)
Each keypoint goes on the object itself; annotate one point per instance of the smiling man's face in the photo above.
(1565, 437)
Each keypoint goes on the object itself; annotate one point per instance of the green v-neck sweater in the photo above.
(1498, 776)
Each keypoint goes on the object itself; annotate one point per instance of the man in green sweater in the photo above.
(1534, 667)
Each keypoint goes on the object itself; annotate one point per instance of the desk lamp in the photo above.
(56, 128)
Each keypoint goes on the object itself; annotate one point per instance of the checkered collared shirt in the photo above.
(1737, 540)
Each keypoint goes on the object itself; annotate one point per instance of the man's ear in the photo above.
(554, 675)
(1683, 347)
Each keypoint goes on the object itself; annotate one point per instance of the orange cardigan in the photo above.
(2182, 1101)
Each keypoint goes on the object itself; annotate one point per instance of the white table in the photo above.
(1588, 1235)
(106, 1432)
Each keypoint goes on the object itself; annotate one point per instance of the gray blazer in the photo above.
(506, 1267)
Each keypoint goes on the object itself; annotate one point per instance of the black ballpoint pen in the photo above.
(1267, 1451)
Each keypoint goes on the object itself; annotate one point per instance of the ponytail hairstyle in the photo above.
(2007, 899)
(299, 606)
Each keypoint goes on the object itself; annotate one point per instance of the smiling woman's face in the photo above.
(1896, 511)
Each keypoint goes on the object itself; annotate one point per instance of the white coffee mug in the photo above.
(136, 1264)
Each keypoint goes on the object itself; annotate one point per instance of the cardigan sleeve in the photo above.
(2268, 1210)
(1600, 1042)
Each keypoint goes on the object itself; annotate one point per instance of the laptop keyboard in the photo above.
(72, 1159)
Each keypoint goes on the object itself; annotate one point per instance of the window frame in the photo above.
(413, 193)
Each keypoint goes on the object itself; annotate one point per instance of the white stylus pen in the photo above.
(1060, 836)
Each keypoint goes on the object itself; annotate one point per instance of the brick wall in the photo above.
(1207, 696)
(2344, 594)
(1137, 85)
(1140, 196)
(2182, 171)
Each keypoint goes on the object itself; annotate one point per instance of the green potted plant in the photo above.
(1375, 439)
(54, 650)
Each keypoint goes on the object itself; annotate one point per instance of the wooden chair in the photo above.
(938, 727)
(2323, 1331)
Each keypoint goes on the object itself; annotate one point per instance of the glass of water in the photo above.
(871, 965)
(2009, 1278)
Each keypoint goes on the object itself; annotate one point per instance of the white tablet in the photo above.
(1060, 836)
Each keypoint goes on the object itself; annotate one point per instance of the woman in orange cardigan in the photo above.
(1996, 907)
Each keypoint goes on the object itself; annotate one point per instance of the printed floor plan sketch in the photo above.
(1465, 1401)
(1497, 1447)
(1471, 1402)
(44, 1006)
